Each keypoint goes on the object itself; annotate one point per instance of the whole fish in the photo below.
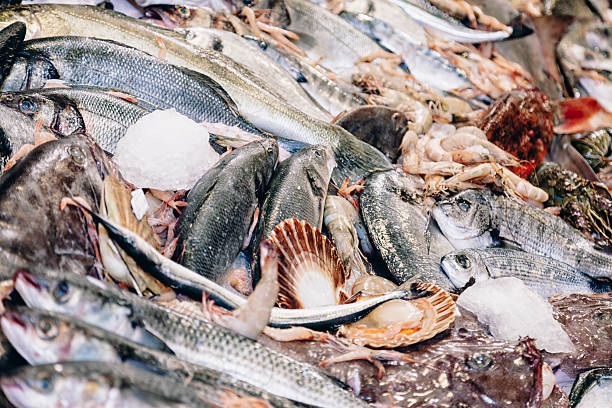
(475, 218)
(191, 339)
(426, 65)
(592, 388)
(220, 207)
(34, 228)
(398, 226)
(545, 275)
(257, 104)
(94, 383)
(445, 26)
(89, 61)
(102, 114)
(65, 338)
(252, 57)
(297, 190)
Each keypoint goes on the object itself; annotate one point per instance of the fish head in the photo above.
(270, 148)
(56, 113)
(38, 336)
(466, 215)
(463, 265)
(318, 162)
(30, 70)
(31, 387)
(24, 14)
(180, 16)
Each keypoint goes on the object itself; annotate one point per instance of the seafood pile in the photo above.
(290, 203)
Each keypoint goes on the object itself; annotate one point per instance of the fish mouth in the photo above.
(14, 318)
(26, 278)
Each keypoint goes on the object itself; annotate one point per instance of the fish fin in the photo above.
(214, 85)
(549, 30)
(11, 38)
(310, 272)
(508, 243)
(356, 159)
(562, 151)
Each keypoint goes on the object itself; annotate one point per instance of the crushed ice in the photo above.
(511, 310)
(166, 151)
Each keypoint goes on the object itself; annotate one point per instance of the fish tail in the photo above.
(356, 159)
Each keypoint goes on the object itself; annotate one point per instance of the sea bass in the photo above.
(477, 217)
(102, 114)
(194, 340)
(397, 222)
(89, 61)
(220, 208)
(545, 275)
(257, 104)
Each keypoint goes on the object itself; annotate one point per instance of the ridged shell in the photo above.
(438, 313)
(310, 273)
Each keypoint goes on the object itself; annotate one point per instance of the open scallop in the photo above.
(399, 323)
(310, 273)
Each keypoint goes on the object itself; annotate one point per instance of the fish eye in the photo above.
(77, 155)
(27, 105)
(47, 328)
(43, 382)
(318, 154)
(479, 362)
(184, 11)
(61, 293)
(463, 205)
(463, 261)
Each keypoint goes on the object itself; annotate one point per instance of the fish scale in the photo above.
(542, 233)
(89, 61)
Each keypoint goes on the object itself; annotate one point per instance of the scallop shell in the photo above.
(438, 313)
(310, 272)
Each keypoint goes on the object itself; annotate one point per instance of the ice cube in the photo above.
(139, 202)
(599, 396)
(511, 310)
(166, 151)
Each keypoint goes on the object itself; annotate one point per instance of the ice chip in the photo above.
(140, 205)
(599, 396)
(166, 151)
(511, 310)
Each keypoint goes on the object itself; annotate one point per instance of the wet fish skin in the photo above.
(68, 339)
(89, 61)
(194, 340)
(475, 218)
(193, 284)
(220, 209)
(397, 224)
(257, 104)
(85, 383)
(545, 275)
(34, 229)
(587, 381)
(297, 190)
(102, 115)
(11, 38)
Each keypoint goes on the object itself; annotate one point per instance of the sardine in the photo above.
(255, 102)
(398, 226)
(88, 61)
(545, 275)
(98, 112)
(94, 383)
(193, 284)
(191, 339)
(220, 209)
(34, 228)
(65, 338)
(475, 218)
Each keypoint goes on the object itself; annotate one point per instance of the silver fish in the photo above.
(545, 275)
(192, 339)
(475, 218)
